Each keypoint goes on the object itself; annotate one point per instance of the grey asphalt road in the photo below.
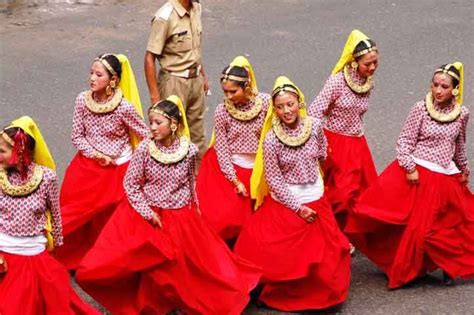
(46, 51)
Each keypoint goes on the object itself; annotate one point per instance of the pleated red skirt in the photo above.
(37, 285)
(222, 208)
(305, 266)
(409, 230)
(136, 268)
(89, 195)
(349, 170)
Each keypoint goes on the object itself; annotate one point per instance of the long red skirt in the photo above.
(223, 209)
(135, 267)
(305, 266)
(89, 195)
(409, 230)
(36, 285)
(348, 171)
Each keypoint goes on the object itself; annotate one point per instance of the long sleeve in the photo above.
(328, 95)
(460, 157)
(132, 119)
(408, 138)
(274, 176)
(224, 157)
(52, 202)
(192, 179)
(78, 131)
(134, 180)
(322, 141)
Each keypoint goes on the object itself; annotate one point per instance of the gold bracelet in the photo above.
(236, 182)
(411, 172)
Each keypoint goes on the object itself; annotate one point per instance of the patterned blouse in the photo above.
(25, 215)
(343, 107)
(149, 183)
(106, 133)
(286, 165)
(236, 136)
(425, 138)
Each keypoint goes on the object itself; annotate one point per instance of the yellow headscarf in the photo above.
(240, 61)
(41, 156)
(355, 37)
(258, 185)
(177, 101)
(129, 88)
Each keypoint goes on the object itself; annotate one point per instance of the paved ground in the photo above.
(46, 50)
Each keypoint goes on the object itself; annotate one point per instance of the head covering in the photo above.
(355, 37)
(459, 66)
(41, 154)
(129, 88)
(258, 185)
(177, 101)
(240, 61)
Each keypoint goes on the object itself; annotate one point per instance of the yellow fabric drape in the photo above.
(459, 66)
(42, 156)
(240, 61)
(129, 87)
(355, 37)
(258, 185)
(177, 101)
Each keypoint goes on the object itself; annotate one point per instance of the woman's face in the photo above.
(367, 64)
(442, 88)
(99, 78)
(5, 154)
(160, 126)
(234, 92)
(287, 108)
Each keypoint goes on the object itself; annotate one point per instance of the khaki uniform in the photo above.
(176, 39)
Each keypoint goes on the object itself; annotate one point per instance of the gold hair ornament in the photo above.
(106, 107)
(446, 70)
(292, 141)
(365, 51)
(7, 138)
(244, 115)
(358, 88)
(106, 64)
(169, 158)
(439, 116)
(21, 190)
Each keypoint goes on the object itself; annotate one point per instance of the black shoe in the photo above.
(447, 280)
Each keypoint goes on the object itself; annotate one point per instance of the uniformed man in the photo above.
(175, 40)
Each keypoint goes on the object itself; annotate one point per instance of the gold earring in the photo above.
(301, 105)
(173, 127)
(112, 84)
(109, 90)
(455, 92)
(354, 65)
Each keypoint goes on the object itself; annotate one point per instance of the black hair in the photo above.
(113, 61)
(11, 132)
(169, 108)
(453, 69)
(363, 45)
(237, 71)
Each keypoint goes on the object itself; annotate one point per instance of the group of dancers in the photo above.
(275, 206)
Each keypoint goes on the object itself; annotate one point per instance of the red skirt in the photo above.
(137, 268)
(305, 266)
(348, 171)
(36, 285)
(409, 230)
(223, 209)
(89, 195)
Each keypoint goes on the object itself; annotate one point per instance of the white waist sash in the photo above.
(450, 170)
(245, 160)
(306, 193)
(124, 157)
(22, 245)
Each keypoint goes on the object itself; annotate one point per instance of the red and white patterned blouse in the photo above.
(106, 133)
(286, 165)
(235, 136)
(25, 215)
(426, 139)
(149, 183)
(343, 107)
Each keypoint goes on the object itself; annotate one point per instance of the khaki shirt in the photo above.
(176, 36)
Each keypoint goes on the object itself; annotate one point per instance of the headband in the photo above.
(366, 50)
(445, 69)
(106, 64)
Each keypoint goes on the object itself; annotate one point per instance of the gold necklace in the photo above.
(439, 116)
(241, 115)
(357, 88)
(21, 190)
(106, 107)
(169, 158)
(292, 141)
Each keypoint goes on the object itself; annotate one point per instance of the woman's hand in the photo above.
(156, 221)
(3, 264)
(240, 188)
(464, 179)
(106, 160)
(307, 214)
(413, 178)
